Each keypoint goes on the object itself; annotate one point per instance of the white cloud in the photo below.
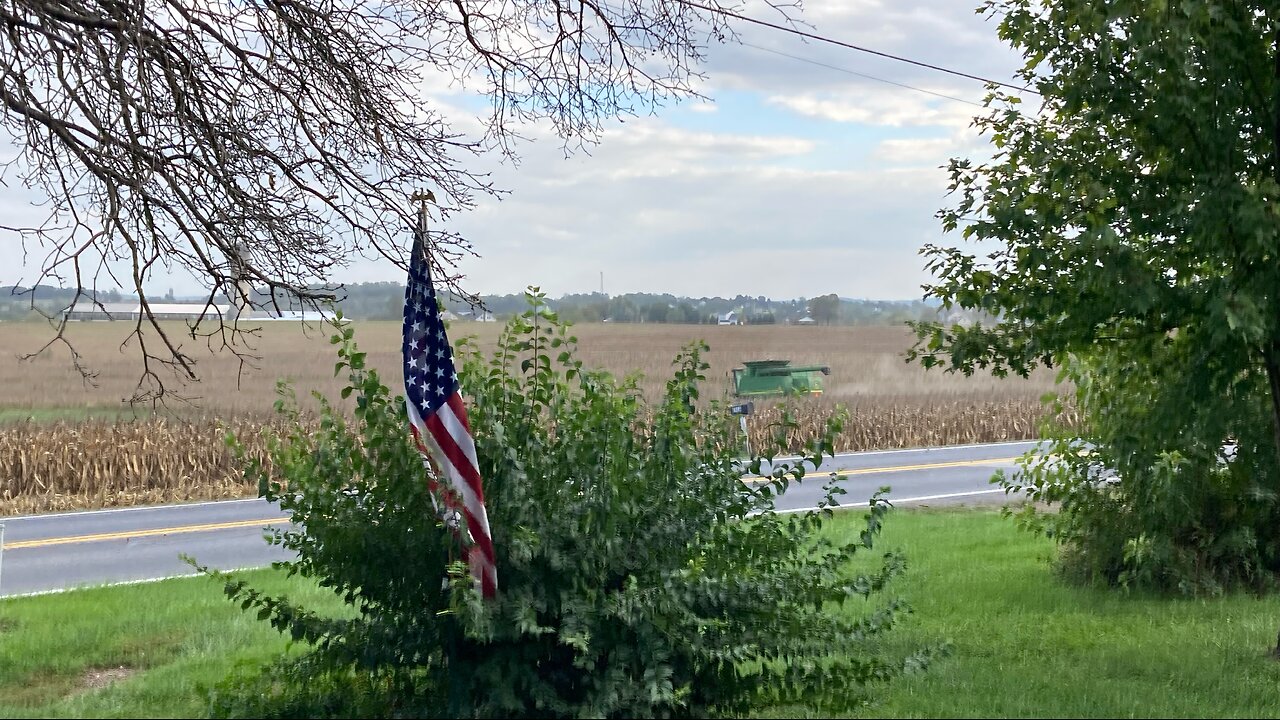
(932, 152)
(945, 33)
(717, 221)
(879, 108)
(652, 149)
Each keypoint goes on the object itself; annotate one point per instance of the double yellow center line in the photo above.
(130, 534)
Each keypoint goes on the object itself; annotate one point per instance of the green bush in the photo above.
(638, 575)
(1178, 489)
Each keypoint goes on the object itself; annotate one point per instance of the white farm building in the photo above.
(87, 310)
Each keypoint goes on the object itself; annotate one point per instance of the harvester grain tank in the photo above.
(778, 377)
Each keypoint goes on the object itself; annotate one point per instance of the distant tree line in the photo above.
(746, 309)
(383, 300)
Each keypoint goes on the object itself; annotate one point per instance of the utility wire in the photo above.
(851, 46)
(861, 75)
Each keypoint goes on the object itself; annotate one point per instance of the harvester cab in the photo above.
(777, 377)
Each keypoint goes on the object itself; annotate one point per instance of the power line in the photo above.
(861, 75)
(851, 46)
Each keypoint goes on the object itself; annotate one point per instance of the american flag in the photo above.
(437, 417)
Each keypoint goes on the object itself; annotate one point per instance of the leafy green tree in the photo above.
(825, 309)
(687, 313)
(638, 575)
(623, 309)
(656, 312)
(1129, 230)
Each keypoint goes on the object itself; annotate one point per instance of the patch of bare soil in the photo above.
(96, 678)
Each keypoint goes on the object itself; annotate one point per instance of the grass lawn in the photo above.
(1023, 644)
(134, 650)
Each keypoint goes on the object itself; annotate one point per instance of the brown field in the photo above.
(63, 461)
(866, 363)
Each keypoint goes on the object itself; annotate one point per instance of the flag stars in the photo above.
(430, 376)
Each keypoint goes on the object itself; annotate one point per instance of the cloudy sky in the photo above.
(793, 180)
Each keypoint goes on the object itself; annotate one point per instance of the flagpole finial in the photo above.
(422, 197)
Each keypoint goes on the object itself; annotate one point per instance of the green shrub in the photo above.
(1178, 489)
(638, 575)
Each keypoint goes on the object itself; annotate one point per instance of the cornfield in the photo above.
(79, 463)
(907, 426)
(63, 466)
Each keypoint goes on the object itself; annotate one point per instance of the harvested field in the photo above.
(866, 363)
(177, 453)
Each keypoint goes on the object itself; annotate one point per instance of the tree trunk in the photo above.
(1271, 352)
(1271, 355)
(1271, 359)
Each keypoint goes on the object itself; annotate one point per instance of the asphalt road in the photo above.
(44, 553)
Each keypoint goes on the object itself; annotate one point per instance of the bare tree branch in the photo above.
(262, 143)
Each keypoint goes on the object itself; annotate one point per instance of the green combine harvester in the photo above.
(778, 377)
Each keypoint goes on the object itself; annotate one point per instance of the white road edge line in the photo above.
(121, 583)
(900, 501)
(864, 453)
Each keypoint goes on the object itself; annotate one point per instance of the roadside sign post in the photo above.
(1, 548)
(742, 411)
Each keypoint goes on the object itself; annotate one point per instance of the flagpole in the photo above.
(422, 197)
(451, 638)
